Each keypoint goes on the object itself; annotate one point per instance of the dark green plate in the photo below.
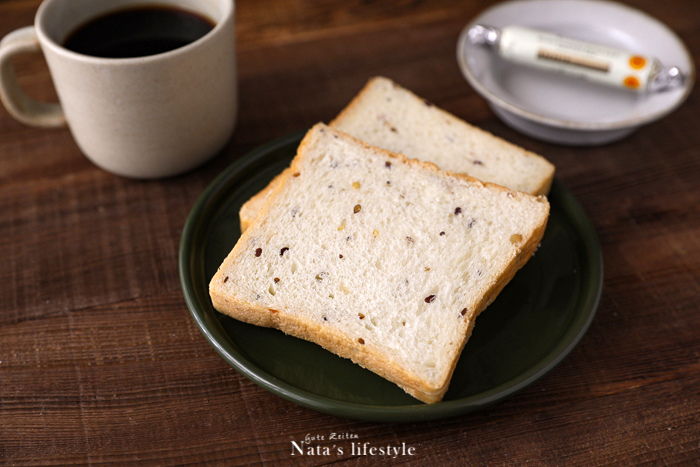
(533, 325)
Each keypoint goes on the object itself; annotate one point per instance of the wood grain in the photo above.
(100, 362)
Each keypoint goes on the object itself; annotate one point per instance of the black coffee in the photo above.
(137, 32)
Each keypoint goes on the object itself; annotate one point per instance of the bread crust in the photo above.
(251, 208)
(333, 339)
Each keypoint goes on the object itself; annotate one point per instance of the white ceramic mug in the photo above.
(144, 117)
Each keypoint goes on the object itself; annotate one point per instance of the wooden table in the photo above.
(101, 363)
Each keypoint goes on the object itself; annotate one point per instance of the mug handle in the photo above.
(18, 104)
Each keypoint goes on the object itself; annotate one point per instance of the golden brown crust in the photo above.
(350, 108)
(251, 208)
(330, 339)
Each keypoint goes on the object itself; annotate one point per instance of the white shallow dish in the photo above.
(561, 109)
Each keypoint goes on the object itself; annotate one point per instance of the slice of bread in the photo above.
(388, 116)
(380, 259)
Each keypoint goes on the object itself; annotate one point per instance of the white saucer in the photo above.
(562, 109)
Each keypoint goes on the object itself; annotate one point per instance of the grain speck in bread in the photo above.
(380, 259)
(391, 117)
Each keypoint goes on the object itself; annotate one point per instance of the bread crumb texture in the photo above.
(380, 259)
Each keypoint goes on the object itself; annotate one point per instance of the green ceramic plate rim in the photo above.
(197, 300)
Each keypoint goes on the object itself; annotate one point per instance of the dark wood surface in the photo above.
(101, 363)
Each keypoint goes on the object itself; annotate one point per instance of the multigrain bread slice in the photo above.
(380, 259)
(391, 117)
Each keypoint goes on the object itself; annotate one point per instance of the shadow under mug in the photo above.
(145, 117)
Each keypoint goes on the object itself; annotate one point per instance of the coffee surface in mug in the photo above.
(138, 32)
